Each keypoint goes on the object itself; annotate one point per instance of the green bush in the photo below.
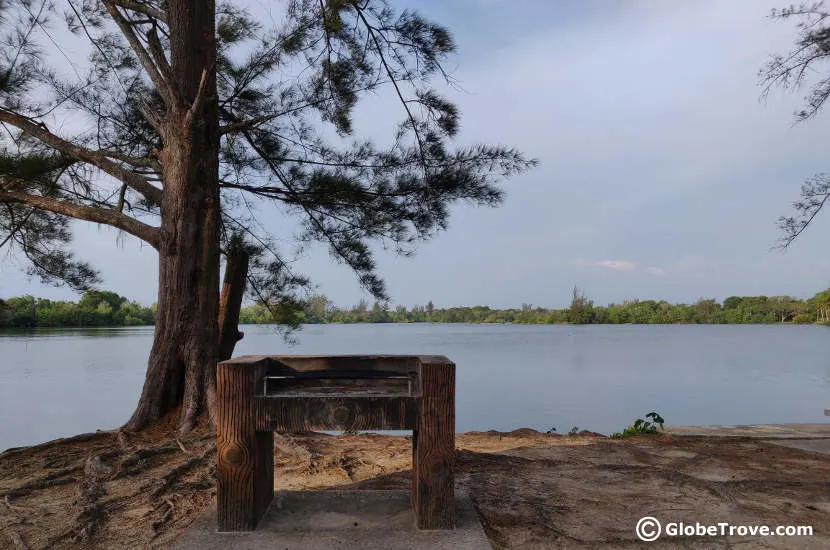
(643, 427)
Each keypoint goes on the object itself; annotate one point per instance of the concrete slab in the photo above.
(322, 520)
(756, 431)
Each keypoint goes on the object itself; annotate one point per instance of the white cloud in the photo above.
(615, 265)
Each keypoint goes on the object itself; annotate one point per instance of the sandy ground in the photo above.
(531, 490)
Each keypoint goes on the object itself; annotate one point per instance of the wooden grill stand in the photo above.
(257, 395)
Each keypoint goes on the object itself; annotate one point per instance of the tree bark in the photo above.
(230, 302)
(182, 365)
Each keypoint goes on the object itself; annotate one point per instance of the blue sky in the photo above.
(662, 172)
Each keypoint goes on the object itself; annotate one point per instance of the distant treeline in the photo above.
(733, 310)
(94, 309)
(102, 308)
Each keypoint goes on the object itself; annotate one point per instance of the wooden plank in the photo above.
(287, 364)
(303, 413)
(312, 387)
(434, 447)
(245, 459)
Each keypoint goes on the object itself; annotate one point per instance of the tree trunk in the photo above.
(182, 365)
(230, 302)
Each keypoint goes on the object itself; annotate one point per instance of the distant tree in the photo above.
(733, 302)
(380, 313)
(6, 314)
(821, 303)
(91, 299)
(580, 311)
(705, 310)
(315, 309)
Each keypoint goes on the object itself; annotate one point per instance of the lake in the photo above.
(57, 383)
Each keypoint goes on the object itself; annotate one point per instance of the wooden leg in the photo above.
(434, 449)
(415, 470)
(245, 457)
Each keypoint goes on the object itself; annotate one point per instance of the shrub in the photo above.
(643, 427)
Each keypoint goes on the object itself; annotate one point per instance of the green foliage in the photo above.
(99, 308)
(94, 309)
(581, 311)
(653, 425)
(287, 95)
(734, 310)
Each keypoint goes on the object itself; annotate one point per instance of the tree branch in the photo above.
(371, 30)
(138, 162)
(247, 124)
(197, 101)
(157, 52)
(164, 88)
(96, 158)
(106, 216)
(141, 7)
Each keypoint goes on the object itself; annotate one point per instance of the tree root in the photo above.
(92, 512)
(17, 540)
(182, 469)
(171, 509)
(81, 438)
(182, 447)
(14, 507)
(132, 463)
(49, 480)
(123, 442)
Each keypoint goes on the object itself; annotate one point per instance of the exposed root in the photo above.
(170, 510)
(14, 507)
(17, 540)
(95, 464)
(182, 447)
(49, 480)
(123, 442)
(173, 475)
(81, 438)
(134, 462)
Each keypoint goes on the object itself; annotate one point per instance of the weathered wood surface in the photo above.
(245, 457)
(292, 414)
(346, 385)
(434, 448)
(289, 364)
(333, 393)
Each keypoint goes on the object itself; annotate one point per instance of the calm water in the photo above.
(59, 383)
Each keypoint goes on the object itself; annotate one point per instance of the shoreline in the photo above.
(494, 323)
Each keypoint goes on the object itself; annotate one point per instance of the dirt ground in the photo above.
(531, 490)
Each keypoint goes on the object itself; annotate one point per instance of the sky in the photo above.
(662, 171)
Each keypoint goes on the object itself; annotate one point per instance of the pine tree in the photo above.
(188, 116)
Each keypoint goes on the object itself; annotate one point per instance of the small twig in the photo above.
(120, 208)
